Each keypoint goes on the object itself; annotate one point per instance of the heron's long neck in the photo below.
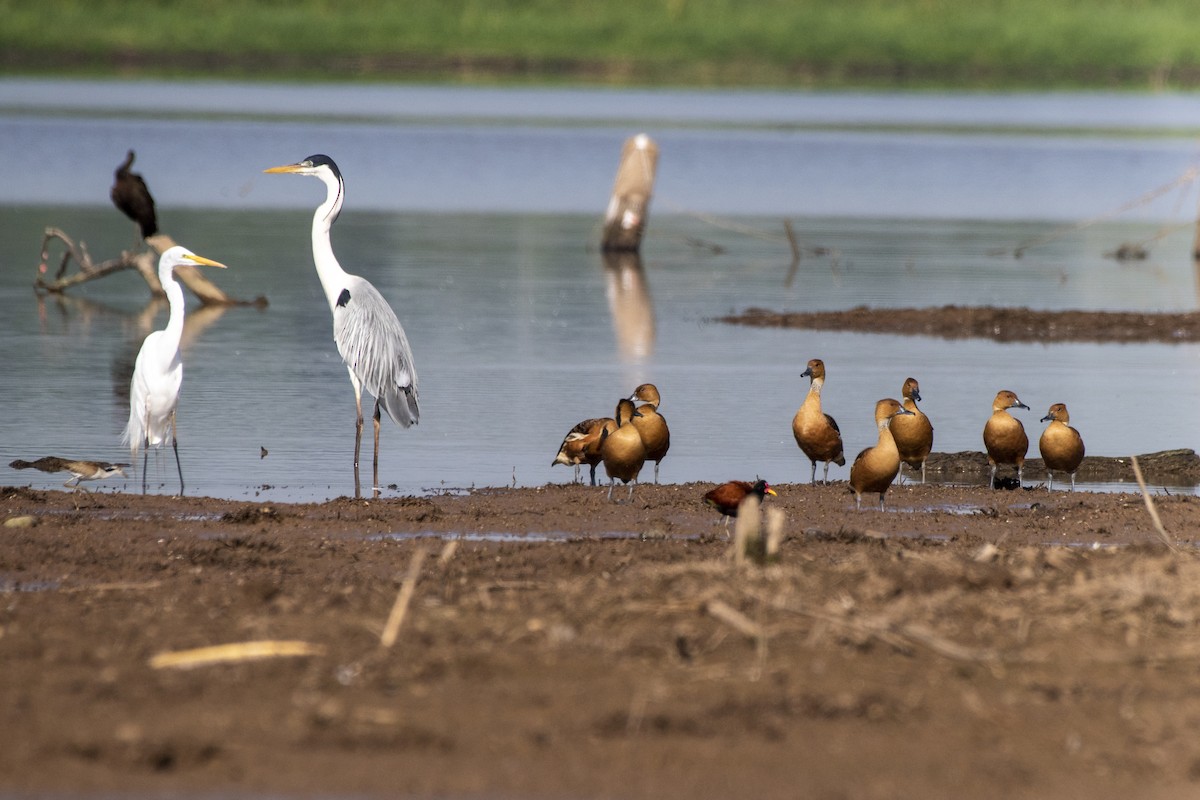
(328, 269)
(174, 329)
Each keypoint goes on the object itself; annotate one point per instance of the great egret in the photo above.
(368, 334)
(131, 197)
(158, 372)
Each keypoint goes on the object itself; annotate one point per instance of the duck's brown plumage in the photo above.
(816, 432)
(1004, 435)
(913, 432)
(727, 497)
(622, 450)
(131, 196)
(1061, 445)
(652, 425)
(581, 445)
(876, 467)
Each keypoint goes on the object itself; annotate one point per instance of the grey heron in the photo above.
(367, 332)
(158, 371)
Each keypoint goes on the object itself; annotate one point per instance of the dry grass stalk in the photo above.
(746, 533)
(1158, 526)
(233, 654)
(448, 551)
(395, 619)
(735, 619)
(775, 518)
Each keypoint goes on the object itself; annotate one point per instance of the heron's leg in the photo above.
(358, 425)
(175, 447)
(375, 463)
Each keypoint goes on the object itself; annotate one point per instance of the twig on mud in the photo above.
(395, 619)
(897, 635)
(113, 587)
(233, 653)
(1158, 526)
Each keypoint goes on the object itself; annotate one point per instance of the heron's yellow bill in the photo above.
(284, 168)
(208, 262)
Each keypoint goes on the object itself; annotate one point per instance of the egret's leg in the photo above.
(375, 462)
(175, 447)
(145, 449)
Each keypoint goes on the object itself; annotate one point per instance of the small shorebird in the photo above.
(1004, 435)
(913, 432)
(651, 424)
(816, 432)
(1061, 445)
(876, 467)
(623, 451)
(727, 497)
(80, 469)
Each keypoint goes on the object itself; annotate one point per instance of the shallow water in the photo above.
(481, 231)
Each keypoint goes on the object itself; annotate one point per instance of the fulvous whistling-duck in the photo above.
(815, 431)
(581, 445)
(913, 433)
(1061, 445)
(876, 467)
(651, 424)
(622, 450)
(1004, 435)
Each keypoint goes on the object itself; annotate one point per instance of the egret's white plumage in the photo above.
(367, 332)
(158, 371)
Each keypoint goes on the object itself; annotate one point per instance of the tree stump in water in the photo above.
(629, 206)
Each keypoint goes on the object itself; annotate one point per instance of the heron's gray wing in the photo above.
(373, 344)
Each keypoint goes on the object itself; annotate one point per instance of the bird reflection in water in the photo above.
(630, 304)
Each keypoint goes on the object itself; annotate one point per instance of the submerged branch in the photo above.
(145, 262)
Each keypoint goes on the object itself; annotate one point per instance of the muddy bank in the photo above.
(966, 643)
(1000, 324)
(1169, 468)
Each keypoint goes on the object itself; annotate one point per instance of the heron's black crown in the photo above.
(321, 159)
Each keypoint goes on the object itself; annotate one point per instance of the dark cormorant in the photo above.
(130, 196)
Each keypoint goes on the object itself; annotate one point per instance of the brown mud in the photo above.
(987, 322)
(967, 642)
